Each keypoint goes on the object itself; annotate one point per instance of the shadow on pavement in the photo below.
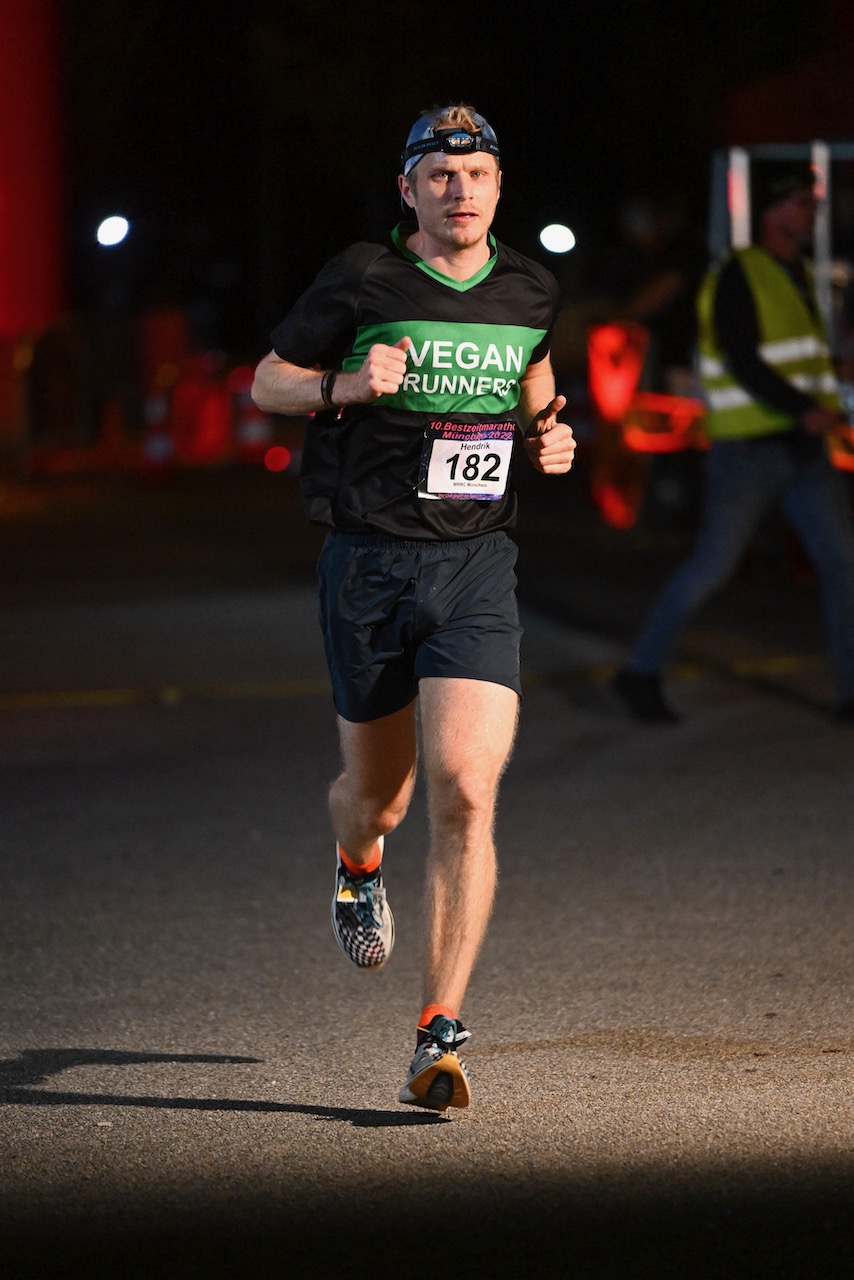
(779, 1221)
(35, 1066)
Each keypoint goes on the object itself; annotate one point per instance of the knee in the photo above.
(463, 797)
(388, 815)
(381, 811)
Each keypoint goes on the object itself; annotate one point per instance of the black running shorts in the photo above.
(393, 611)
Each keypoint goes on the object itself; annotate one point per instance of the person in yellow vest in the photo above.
(771, 397)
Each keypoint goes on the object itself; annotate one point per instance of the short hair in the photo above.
(460, 116)
(457, 116)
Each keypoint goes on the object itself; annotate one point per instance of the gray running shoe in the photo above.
(361, 918)
(437, 1079)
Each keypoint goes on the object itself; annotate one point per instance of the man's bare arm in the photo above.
(537, 387)
(282, 387)
(549, 444)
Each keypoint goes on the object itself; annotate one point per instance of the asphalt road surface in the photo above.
(194, 1083)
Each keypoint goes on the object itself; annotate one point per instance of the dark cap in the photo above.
(777, 181)
(426, 136)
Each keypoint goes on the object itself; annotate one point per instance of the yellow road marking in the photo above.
(172, 695)
(169, 695)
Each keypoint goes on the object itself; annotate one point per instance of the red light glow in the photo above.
(656, 423)
(614, 505)
(615, 356)
(277, 458)
(820, 188)
(736, 194)
(240, 379)
(31, 228)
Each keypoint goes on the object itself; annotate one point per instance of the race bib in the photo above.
(466, 460)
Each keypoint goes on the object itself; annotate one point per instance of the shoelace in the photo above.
(444, 1034)
(366, 911)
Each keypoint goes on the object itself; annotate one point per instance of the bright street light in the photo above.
(112, 230)
(557, 238)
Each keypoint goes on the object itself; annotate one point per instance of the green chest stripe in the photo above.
(472, 368)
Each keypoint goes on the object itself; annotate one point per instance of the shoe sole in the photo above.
(441, 1085)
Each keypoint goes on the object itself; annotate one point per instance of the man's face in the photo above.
(454, 197)
(795, 216)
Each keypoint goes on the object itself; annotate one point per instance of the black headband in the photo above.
(452, 142)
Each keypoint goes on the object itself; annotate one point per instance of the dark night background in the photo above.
(163, 732)
(248, 142)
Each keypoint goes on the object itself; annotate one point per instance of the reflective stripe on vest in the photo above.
(735, 396)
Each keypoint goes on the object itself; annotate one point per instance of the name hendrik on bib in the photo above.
(466, 459)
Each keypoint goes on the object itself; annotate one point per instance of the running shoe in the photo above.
(361, 918)
(437, 1079)
(643, 696)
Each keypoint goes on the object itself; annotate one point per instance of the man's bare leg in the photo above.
(468, 727)
(371, 795)
(366, 801)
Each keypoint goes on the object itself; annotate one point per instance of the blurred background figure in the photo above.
(772, 401)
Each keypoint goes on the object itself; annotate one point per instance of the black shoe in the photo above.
(643, 696)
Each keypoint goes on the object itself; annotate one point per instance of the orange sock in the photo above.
(431, 1011)
(363, 869)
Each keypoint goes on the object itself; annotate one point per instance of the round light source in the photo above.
(277, 458)
(557, 238)
(113, 230)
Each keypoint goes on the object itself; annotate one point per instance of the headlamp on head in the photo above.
(454, 141)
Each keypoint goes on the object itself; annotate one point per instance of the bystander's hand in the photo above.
(550, 444)
(818, 421)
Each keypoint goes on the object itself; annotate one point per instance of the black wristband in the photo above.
(327, 383)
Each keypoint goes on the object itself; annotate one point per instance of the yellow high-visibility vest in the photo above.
(791, 338)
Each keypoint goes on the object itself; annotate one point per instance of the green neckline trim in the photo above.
(460, 285)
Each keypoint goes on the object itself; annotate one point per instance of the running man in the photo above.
(419, 361)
